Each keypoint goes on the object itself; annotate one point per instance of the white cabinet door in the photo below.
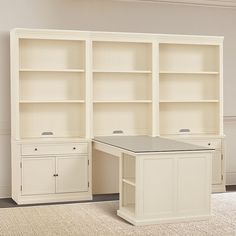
(216, 167)
(38, 175)
(72, 174)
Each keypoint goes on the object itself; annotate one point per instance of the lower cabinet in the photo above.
(59, 174)
(72, 174)
(38, 175)
(51, 171)
(217, 175)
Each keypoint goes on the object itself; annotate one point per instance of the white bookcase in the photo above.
(122, 87)
(189, 89)
(69, 86)
(52, 88)
(51, 151)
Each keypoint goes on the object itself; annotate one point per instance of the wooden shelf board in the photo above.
(125, 101)
(124, 71)
(188, 101)
(50, 101)
(130, 181)
(51, 70)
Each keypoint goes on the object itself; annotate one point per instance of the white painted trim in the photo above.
(206, 3)
(5, 191)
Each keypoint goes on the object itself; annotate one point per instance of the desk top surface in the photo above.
(143, 144)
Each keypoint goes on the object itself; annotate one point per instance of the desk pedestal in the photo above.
(165, 187)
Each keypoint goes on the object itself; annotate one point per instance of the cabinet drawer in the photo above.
(211, 143)
(41, 149)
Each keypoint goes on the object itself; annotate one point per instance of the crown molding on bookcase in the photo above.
(209, 3)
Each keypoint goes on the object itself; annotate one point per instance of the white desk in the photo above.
(160, 180)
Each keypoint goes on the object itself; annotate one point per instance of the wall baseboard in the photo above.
(5, 191)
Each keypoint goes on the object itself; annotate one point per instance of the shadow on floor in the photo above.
(8, 202)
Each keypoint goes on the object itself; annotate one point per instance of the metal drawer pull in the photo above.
(55, 175)
(118, 132)
(47, 133)
(184, 130)
(36, 149)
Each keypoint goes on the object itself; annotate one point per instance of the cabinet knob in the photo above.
(36, 149)
(74, 148)
(209, 144)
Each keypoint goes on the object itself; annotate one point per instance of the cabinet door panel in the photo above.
(193, 186)
(37, 175)
(216, 167)
(72, 174)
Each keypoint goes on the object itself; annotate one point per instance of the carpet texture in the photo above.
(85, 219)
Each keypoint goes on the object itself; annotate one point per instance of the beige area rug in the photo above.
(85, 219)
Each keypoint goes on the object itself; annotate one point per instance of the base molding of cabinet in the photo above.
(218, 188)
(50, 198)
(133, 220)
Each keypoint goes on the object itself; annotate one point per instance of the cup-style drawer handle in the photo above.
(36, 149)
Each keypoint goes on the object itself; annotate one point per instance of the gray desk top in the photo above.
(142, 144)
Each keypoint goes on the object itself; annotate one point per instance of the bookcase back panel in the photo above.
(122, 86)
(62, 120)
(131, 118)
(121, 56)
(189, 87)
(199, 118)
(51, 54)
(52, 86)
(193, 58)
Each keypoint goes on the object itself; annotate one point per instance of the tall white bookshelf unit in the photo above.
(50, 114)
(69, 86)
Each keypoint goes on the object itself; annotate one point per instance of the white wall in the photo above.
(107, 15)
(230, 131)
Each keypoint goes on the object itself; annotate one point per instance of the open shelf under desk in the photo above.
(129, 209)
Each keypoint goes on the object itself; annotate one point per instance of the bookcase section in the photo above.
(69, 86)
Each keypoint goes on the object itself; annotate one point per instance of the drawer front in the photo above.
(41, 149)
(211, 143)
